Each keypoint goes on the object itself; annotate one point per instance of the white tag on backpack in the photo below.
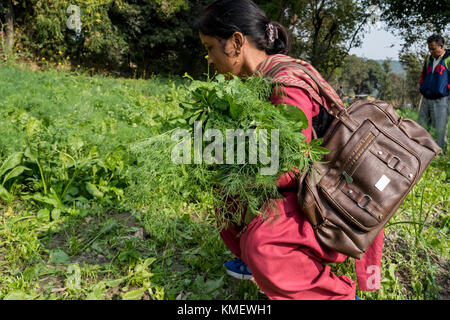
(382, 183)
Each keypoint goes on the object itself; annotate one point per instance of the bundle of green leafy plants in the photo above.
(167, 177)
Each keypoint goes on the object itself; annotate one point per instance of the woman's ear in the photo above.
(238, 40)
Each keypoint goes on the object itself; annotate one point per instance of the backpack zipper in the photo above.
(366, 142)
(356, 154)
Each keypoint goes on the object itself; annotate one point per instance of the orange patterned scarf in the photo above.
(293, 77)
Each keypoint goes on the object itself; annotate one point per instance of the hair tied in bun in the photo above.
(272, 33)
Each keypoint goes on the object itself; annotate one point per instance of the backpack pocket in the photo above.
(376, 173)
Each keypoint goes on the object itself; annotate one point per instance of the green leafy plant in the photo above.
(233, 187)
(10, 169)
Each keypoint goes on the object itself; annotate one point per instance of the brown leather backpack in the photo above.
(375, 159)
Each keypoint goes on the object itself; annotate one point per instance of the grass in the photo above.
(80, 239)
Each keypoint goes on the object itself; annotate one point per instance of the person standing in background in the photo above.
(435, 87)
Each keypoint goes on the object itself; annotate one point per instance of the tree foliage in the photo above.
(145, 36)
(322, 31)
(160, 34)
(415, 20)
(386, 90)
(141, 37)
(42, 31)
(358, 76)
(413, 66)
(130, 36)
(7, 25)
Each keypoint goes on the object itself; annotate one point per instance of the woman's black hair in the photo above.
(223, 18)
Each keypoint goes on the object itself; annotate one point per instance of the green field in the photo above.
(68, 231)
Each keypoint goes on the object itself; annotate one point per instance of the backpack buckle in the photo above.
(365, 197)
(396, 163)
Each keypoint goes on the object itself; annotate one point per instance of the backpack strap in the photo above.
(309, 86)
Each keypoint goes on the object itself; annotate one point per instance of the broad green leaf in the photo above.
(59, 257)
(17, 295)
(316, 142)
(12, 161)
(221, 105)
(51, 199)
(186, 106)
(111, 283)
(43, 215)
(103, 189)
(93, 190)
(31, 154)
(134, 294)
(213, 285)
(194, 118)
(198, 93)
(417, 287)
(68, 161)
(56, 214)
(32, 126)
(211, 96)
(220, 78)
(235, 109)
(17, 171)
(203, 117)
(73, 191)
(321, 150)
(98, 292)
(294, 113)
(5, 195)
(109, 226)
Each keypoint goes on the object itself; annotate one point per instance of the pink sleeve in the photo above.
(300, 98)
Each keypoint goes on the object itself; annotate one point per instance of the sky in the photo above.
(377, 45)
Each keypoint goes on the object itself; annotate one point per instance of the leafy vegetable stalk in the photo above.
(234, 187)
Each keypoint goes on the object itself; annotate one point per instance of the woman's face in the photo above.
(223, 63)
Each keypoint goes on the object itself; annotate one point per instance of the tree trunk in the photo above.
(9, 27)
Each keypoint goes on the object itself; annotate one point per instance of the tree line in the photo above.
(358, 76)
